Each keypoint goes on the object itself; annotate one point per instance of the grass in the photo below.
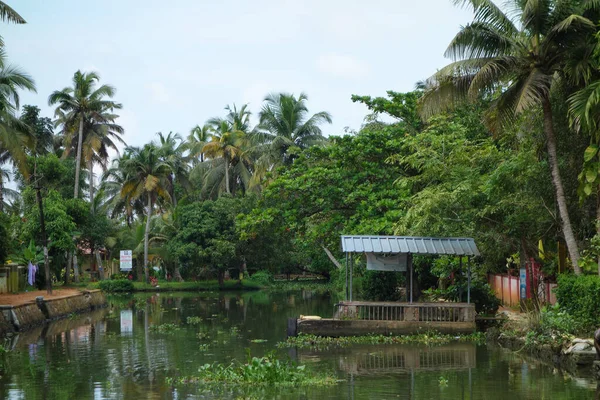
(304, 341)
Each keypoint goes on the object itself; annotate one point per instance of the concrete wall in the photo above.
(336, 328)
(25, 316)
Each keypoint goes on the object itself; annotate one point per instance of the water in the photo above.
(116, 353)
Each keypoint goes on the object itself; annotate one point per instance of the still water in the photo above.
(118, 353)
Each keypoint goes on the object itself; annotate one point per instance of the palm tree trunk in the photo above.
(44, 236)
(1, 192)
(558, 186)
(146, 238)
(68, 269)
(75, 267)
(598, 224)
(91, 177)
(176, 273)
(227, 174)
(99, 263)
(78, 159)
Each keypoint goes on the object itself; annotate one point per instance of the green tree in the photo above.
(147, 177)
(525, 53)
(199, 136)
(287, 127)
(81, 104)
(171, 149)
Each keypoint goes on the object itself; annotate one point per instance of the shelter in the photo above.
(394, 253)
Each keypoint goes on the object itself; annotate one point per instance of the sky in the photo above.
(176, 64)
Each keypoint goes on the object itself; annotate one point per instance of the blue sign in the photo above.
(523, 283)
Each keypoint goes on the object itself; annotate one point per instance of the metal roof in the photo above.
(409, 244)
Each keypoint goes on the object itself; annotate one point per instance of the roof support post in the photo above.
(468, 280)
(351, 274)
(347, 297)
(410, 265)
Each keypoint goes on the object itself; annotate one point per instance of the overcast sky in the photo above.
(176, 64)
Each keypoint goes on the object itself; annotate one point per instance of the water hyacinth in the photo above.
(309, 341)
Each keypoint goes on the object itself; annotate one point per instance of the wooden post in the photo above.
(347, 277)
(292, 327)
(468, 280)
(411, 276)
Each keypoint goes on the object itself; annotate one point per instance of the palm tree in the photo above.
(229, 139)
(147, 176)
(15, 135)
(524, 53)
(198, 137)
(286, 126)
(171, 149)
(81, 104)
(7, 14)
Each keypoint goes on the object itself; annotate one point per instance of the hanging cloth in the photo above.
(31, 270)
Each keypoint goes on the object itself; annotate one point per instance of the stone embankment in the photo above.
(20, 317)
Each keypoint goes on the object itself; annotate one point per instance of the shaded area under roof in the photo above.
(409, 244)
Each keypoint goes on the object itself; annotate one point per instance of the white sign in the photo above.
(126, 260)
(382, 262)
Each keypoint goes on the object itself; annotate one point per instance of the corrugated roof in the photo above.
(409, 244)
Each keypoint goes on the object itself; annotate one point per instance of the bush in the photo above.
(380, 286)
(117, 285)
(263, 278)
(580, 297)
(482, 295)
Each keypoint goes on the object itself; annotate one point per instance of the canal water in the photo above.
(128, 350)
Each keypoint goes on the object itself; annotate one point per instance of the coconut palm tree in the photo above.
(229, 143)
(171, 149)
(147, 178)
(82, 104)
(7, 14)
(287, 127)
(522, 54)
(15, 135)
(198, 137)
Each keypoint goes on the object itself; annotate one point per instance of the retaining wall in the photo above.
(24, 316)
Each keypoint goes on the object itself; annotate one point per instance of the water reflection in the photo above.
(118, 353)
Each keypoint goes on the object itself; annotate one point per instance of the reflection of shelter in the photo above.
(404, 358)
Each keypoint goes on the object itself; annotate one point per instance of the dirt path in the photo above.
(20, 298)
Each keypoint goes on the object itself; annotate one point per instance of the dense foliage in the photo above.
(580, 297)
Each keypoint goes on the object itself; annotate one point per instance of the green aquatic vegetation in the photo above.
(193, 320)
(165, 328)
(305, 341)
(203, 347)
(257, 371)
(258, 341)
(203, 335)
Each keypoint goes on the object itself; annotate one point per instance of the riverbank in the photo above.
(27, 310)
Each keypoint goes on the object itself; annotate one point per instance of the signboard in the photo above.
(126, 321)
(523, 283)
(126, 260)
(383, 262)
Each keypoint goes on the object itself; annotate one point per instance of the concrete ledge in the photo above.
(337, 328)
(27, 315)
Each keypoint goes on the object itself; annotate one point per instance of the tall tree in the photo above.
(147, 178)
(525, 52)
(285, 121)
(79, 105)
(198, 137)
(171, 149)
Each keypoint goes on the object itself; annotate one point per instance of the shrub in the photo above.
(117, 285)
(380, 286)
(263, 278)
(580, 297)
(482, 296)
